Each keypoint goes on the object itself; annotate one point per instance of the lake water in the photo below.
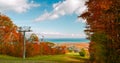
(58, 40)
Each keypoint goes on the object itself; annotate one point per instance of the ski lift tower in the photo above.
(24, 30)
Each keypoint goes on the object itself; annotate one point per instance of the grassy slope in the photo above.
(67, 58)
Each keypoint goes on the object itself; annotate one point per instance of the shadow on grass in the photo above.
(26, 61)
(39, 61)
(81, 59)
(9, 61)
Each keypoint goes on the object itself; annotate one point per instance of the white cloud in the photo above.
(43, 17)
(63, 8)
(16, 5)
(80, 20)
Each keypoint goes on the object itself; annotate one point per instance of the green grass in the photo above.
(5, 57)
(66, 58)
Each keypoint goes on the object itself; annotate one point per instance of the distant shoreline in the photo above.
(71, 42)
(76, 44)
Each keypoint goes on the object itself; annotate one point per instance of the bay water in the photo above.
(59, 40)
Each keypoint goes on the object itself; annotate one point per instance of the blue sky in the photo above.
(51, 18)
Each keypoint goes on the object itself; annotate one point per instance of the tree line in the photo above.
(11, 41)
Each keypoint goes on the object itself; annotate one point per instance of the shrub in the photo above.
(82, 52)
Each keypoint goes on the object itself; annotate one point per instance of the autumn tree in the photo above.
(33, 37)
(9, 37)
(103, 29)
(7, 30)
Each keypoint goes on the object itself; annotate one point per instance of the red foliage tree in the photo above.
(103, 29)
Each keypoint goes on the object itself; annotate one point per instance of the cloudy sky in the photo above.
(51, 18)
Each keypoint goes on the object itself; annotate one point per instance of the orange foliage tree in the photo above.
(103, 29)
(9, 37)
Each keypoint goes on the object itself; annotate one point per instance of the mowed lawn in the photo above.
(66, 58)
